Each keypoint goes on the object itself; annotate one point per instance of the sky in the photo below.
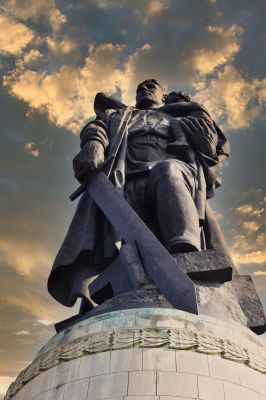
(55, 56)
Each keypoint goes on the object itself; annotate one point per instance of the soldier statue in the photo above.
(167, 165)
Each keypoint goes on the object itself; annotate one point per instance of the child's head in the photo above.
(177, 97)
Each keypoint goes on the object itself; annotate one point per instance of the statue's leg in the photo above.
(136, 195)
(171, 188)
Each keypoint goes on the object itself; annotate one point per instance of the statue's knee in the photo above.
(167, 170)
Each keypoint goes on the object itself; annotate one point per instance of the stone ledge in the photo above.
(153, 317)
(117, 339)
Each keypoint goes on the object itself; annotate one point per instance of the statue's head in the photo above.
(177, 97)
(149, 94)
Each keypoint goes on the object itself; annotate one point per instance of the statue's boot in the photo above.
(171, 187)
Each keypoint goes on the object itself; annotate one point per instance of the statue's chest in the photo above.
(149, 122)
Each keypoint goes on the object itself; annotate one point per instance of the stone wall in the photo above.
(151, 354)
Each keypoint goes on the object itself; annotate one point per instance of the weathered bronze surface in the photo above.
(164, 156)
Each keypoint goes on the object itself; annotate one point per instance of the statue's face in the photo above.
(149, 93)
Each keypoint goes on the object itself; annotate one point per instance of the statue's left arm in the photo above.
(205, 137)
(201, 135)
(209, 143)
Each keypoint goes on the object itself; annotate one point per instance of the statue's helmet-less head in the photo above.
(149, 93)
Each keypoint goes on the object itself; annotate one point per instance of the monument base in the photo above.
(147, 353)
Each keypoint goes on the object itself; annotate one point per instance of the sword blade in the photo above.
(177, 287)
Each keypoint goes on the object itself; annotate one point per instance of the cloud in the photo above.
(155, 7)
(30, 147)
(28, 303)
(202, 51)
(259, 273)
(25, 306)
(246, 223)
(5, 381)
(64, 46)
(146, 7)
(32, 57)
(254, 257)
(27, 255)
(243, 257)
(261, 239)
(249, 209)
(22, 333)
(231, 98)
(205, 64)
(29, 296)
(35, 11)
(14, 36)
(132, 73)
(45, 322)
(35, 213)
(251, 226)
(249, 251)
(67, 96)
(223, 46)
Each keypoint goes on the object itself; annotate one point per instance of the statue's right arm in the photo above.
(93, 143)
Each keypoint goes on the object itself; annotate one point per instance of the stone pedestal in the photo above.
(147, 354)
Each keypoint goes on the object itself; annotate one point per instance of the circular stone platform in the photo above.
(147, 353)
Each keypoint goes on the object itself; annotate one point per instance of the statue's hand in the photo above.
(201, 134)
(88, 159)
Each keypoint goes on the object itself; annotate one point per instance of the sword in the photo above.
(108, 164)
(177, 287)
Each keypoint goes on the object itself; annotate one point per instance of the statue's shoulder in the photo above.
(103, 103)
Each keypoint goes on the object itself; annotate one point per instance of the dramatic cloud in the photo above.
(67, 96)
(36, 11)
(225, 45)
(231, 98)
(205, 64)
(14, 36)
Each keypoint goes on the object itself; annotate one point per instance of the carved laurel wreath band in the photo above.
(127, 338)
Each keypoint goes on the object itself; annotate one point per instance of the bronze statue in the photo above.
(167, 164)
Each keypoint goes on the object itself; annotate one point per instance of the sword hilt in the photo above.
(84, 184)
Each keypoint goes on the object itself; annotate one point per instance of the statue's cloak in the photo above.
(90, 243)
